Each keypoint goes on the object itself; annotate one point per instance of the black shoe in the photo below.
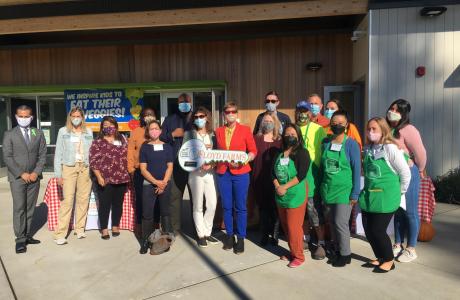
(332, 256)
(212, 240)
(21, 248)
(105, 237)
(369, 265)
(32, 241)
(378, 269)
(239, 246)
(342, 261)
(145, 246)
(229, 242)
(264, 240)
(115, 234)
(202, 242)
(274, 241)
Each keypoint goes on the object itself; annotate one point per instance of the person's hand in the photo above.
(178, 132)
(206, 167)
(422, 174)
(161, 184)
(234, 165)
(61, 181)
(101, 181)
(353, 202)
(25, 177)
(33, 177)
(208, 146)
(281, 190)
(159, 191)
(251, 157)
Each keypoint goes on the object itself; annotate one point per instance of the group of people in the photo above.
(303, 175)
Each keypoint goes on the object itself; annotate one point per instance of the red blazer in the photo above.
(242, 140)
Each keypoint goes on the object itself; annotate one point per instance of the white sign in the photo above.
(193, 154)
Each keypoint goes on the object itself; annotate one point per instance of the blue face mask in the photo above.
(185, 107)
(315, 109)
(200, 123)
(329, 112)
(270, 107)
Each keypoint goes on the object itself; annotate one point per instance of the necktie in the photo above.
(26, 135)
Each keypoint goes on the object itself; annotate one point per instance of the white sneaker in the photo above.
(408, 255)
(81, 235)
(61, 241)
(397, 249)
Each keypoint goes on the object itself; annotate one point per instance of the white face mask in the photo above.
(76, 121)
(374, 137)
(231, 118)
(24, 122)
(393, 116)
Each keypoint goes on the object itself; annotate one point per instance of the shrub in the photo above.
(448, 187)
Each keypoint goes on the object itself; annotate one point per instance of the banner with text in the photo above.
(124, 105)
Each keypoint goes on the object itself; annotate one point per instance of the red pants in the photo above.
(292, 220)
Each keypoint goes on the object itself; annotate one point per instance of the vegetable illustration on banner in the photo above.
(124, 105)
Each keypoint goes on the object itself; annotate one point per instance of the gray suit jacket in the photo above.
(22, 158)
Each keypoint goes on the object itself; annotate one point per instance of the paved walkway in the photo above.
(97, 269)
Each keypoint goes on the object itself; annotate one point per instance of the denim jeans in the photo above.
(408, 221)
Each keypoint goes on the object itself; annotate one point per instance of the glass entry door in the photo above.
(4, 103)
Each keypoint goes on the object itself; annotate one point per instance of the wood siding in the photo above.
(400, 41)
(250, 67)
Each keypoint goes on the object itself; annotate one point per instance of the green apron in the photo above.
(337, 179)
(313, 171)
(382, 189)
(285, 171)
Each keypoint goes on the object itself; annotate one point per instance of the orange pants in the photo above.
(291, 220)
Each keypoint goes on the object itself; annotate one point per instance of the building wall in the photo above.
(400, 41)
(251, 67)
(360, 71)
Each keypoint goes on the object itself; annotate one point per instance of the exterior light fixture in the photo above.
(314, 66)
(432, 11)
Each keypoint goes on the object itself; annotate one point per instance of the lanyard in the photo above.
(305, 137)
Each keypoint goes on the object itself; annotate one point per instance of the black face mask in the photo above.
(337, 129)
(289, 141)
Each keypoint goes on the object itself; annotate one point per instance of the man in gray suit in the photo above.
(24, 152)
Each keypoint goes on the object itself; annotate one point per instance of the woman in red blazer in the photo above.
(233, 178)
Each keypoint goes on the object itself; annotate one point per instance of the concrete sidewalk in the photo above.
(95, 269)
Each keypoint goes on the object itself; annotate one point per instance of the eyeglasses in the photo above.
(271, 101)
(199, 117)
(227, 112)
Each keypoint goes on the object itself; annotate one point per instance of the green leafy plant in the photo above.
(448, 187)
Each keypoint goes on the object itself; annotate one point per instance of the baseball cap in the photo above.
(303, 104)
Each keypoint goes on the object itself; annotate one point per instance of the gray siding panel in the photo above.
(400, 40)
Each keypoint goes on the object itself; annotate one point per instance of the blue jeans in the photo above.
(408, 220)
(234, 192)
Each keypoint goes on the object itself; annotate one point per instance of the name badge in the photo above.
(336, 147)
(158, 147)
(284, 161)
(75, 139)
(379, 155)
(117, 143)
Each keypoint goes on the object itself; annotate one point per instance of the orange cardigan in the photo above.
(135, 141)
(242, 140)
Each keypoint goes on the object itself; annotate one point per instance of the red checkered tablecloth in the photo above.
(426, 200)
(53, 197)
